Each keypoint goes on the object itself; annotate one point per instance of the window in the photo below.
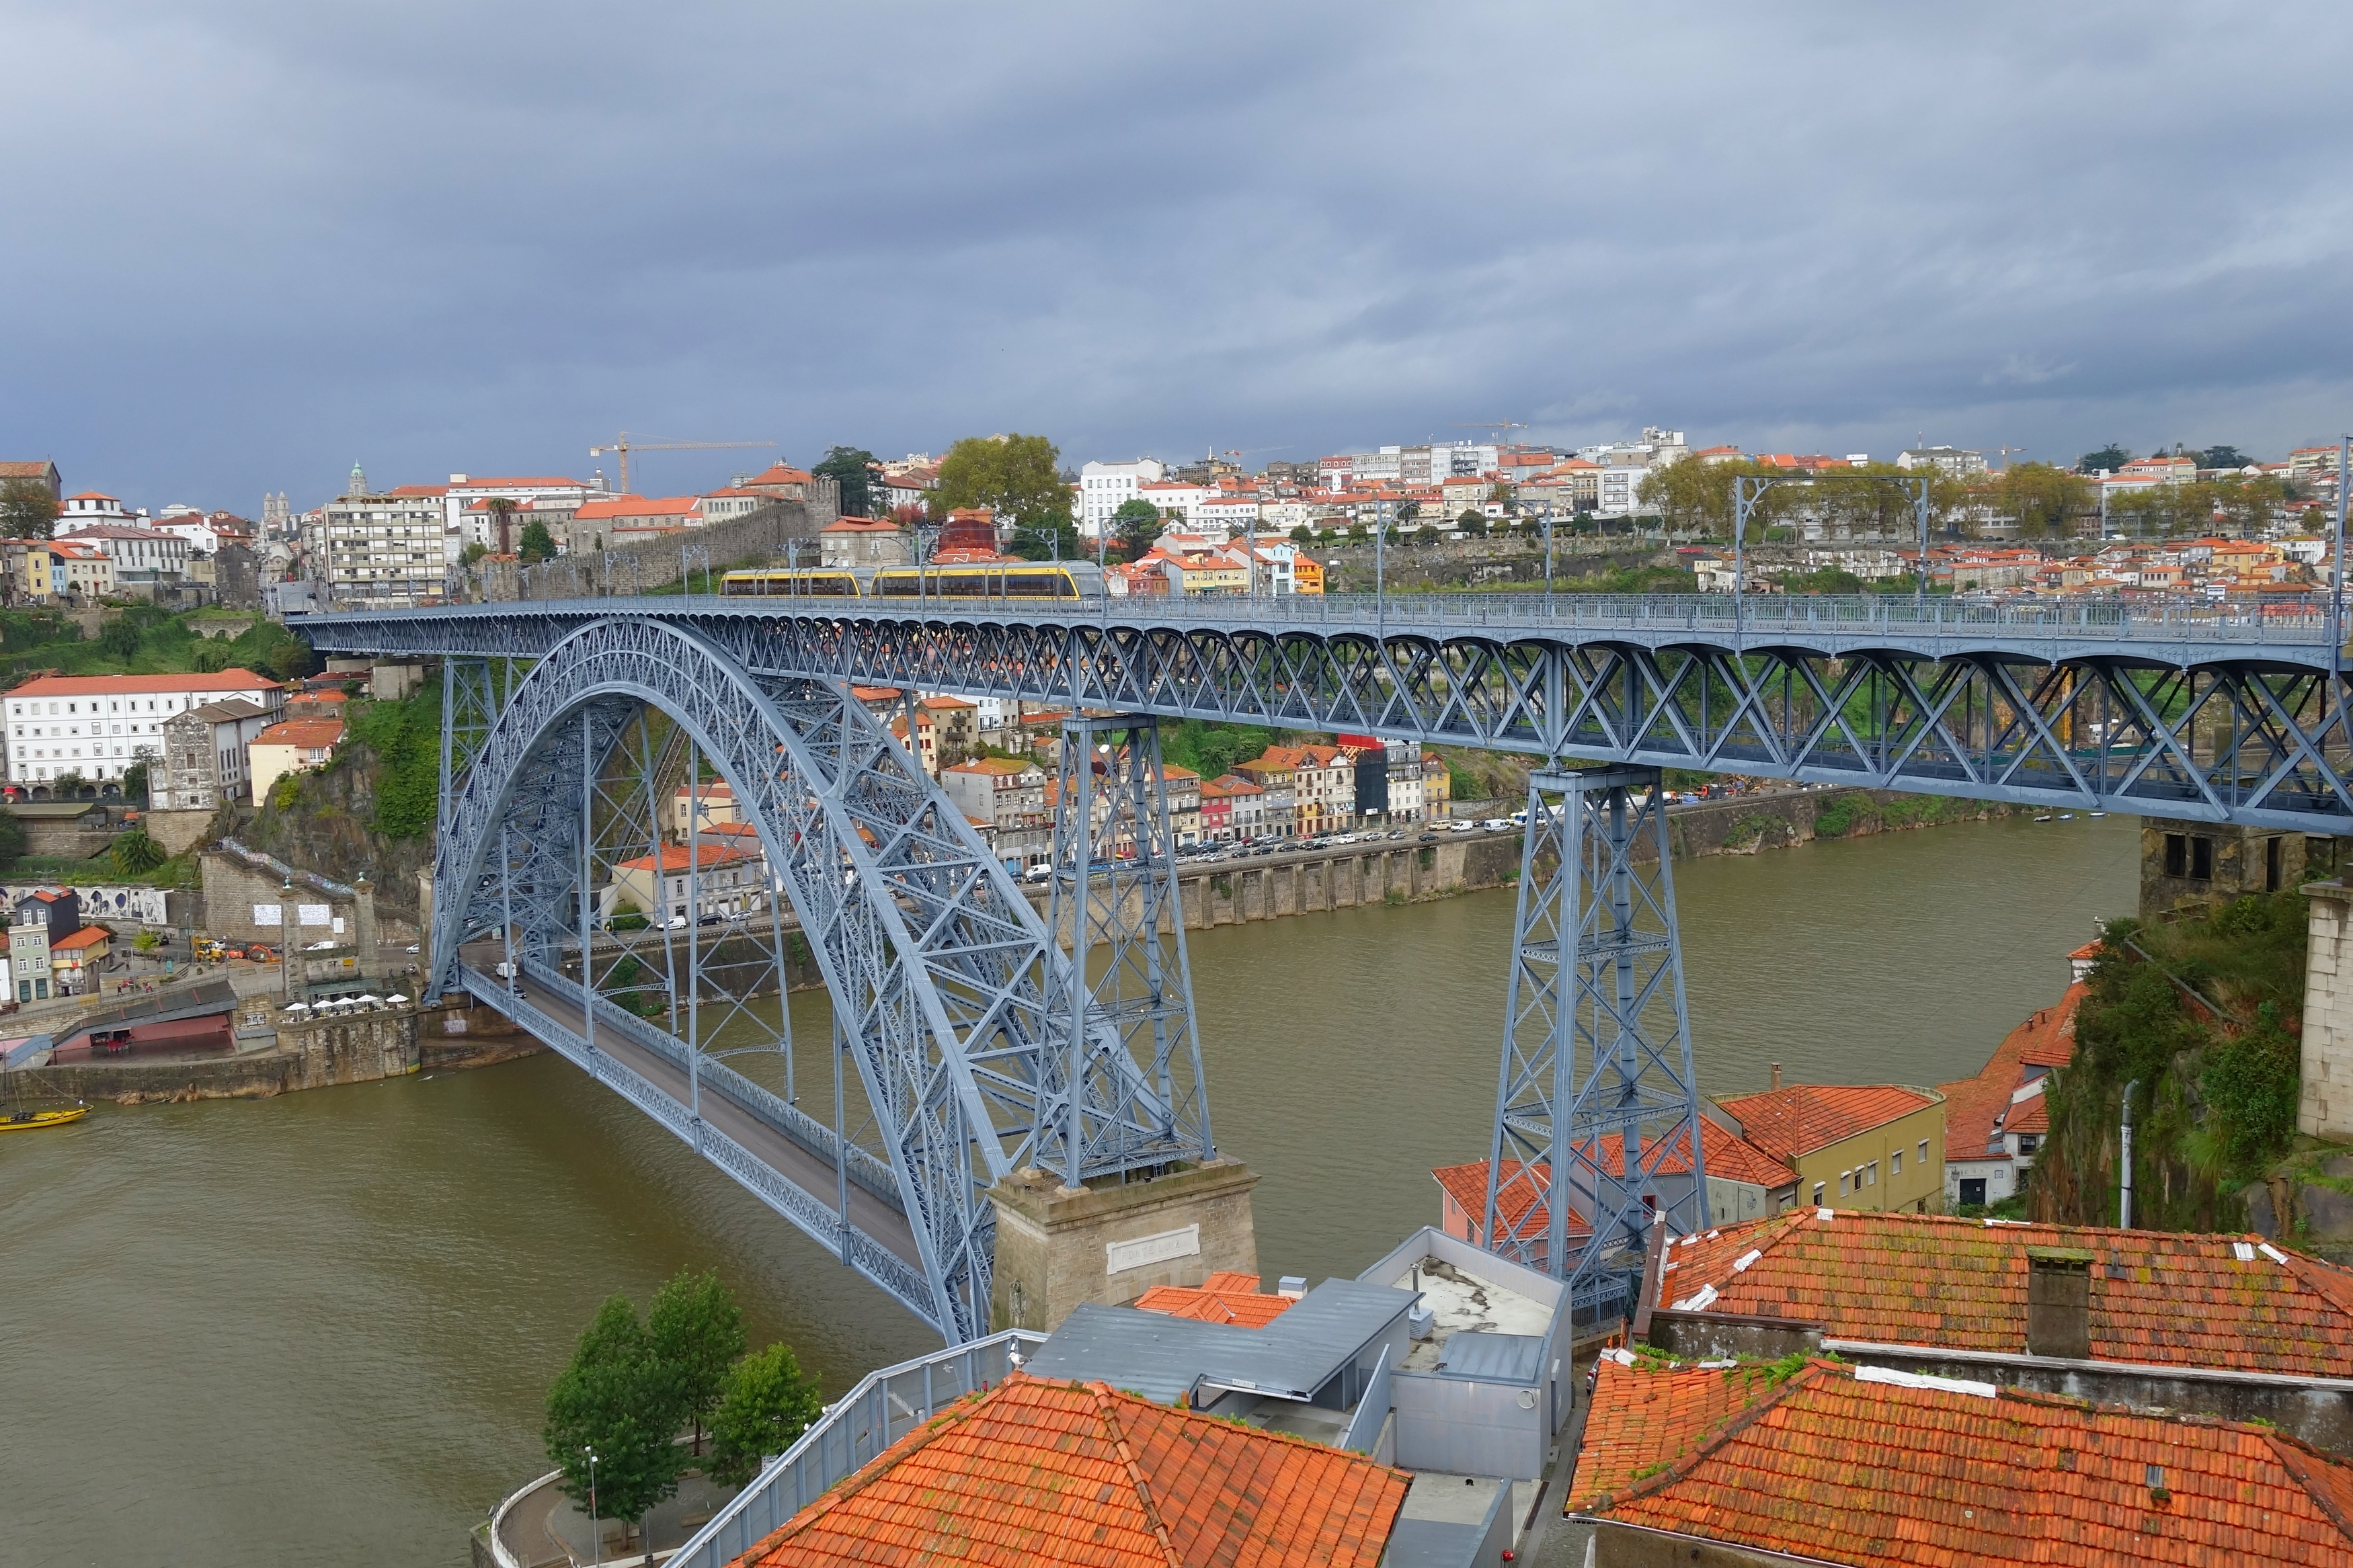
(2201, 857)
(1895, 1163)
(1923, 1151)
(1842, 1180)
(1872, 1179)
(1818, 1195)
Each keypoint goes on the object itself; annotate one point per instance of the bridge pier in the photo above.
(1596, 1132)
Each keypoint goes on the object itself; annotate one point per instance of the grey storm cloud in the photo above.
(248, 242)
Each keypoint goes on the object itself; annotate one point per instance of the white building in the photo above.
(464, 490)
(1231, 514)
(1953, 461)
(1616, 490)
(1174, 498)
(1104, 488)
(98, 725)
(135, 548)
(92, 509)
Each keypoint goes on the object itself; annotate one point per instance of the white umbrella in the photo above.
(297, 1006)
(366, 1000)
(396, 997)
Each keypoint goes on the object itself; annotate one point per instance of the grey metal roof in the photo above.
(1161, 1357)
(1497, 1358)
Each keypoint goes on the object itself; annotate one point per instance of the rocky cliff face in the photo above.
(330, 827)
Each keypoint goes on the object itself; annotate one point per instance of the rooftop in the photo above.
(1223, 1298)
(1872, 1467)
(141, 684)
(674, 858)
(303, 733)
(1042, 1472)
(2224, 1302)
(1976, 1108)
(1792, 1122)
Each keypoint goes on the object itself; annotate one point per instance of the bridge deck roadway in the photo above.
(812, 1171)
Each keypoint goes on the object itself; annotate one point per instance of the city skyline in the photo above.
(1291, 234)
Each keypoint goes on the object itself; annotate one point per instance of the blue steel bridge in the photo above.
(970, 1043)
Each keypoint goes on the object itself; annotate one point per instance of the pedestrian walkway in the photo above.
(541, 1527)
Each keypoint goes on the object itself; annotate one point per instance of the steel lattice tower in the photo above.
(1596, 1075)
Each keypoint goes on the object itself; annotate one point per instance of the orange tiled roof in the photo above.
(2157, 1298)
(2044, 1040)
(674, 858)
(1830, 1466)
(141, 685)
(1223, 1298)
(1789, 1122)
(1034, 1474)
(1519, 1206)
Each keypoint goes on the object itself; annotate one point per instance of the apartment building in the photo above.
(289, 747)
(1009, 794)
(1104, 488)
(719, 879)
(382, 552)
(96, 726)
(207, 756)
(78, 571)
(1853, 1146)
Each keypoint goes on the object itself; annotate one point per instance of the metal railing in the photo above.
(2301, 621)
(884, 1407)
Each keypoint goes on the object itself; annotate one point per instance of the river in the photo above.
(315, 1330)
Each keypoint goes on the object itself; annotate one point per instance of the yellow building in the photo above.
(1854, 1146)
(1306, 574)
(36, 583)
(1437, 787)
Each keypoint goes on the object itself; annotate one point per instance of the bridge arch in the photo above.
(946, 982)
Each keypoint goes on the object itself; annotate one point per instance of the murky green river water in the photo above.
(315, 1330)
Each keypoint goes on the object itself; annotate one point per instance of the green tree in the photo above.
(2110, 457)
(146, 943)
(12, 839)
(619, 1399)
(120, 637)
(69, 786)
(1302, 534)
(1472, 523)
(473, 552)
(292, 660)
(767, 1406)
(1049, 541)
(134, 781)
(1016, 476)
(2042, 499)
(697, 1328)
(1428, 533)
(503, 509)
(1135, 525)
(28, 509)
(135, 854)
(2223, 456)
(851, 468)
(537, 544)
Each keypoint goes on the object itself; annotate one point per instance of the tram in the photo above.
(991, 580)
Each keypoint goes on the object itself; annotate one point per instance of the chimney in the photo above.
(2059, 1302)
(1776, 1075)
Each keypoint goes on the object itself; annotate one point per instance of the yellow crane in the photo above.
(624, 445)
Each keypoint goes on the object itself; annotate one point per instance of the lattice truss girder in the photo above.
(941, 972)
(1114, 886)
(2253, 738)
(1596, 1102)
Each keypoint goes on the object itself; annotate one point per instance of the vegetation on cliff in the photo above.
(2203, 1015)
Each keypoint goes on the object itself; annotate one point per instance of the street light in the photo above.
(595, 1536)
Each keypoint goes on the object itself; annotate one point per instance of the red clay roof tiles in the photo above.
(1971, 1106)
(1830, 1466)
(1035, 1474)
(1792, 1122)
(1223, 1298)
(1930, 1279)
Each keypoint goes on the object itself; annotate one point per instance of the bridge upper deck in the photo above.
(2177, 634)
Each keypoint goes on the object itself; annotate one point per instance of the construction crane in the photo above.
(1498, 426)
(624, 445)
(2006, 452)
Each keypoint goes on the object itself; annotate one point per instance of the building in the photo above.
(1740, 1464)
(1995, 1122)
(78, 570)
(28, 954)
(95, 726)
(464, 515)
(387, 552)
(1388, 778)
(30, 569)
(1862, 1146)
(847, 541)
(779, 481)
(206, 756)
(1009, 794)
(1277, 778)
(43, 473)
(1123, 1482)
(289, 747)
(1954, 462)
(1323, 786)
(1232, 810)
(728, 881)
(1104, 488)
(92, 509)
(75, 960)
(717, 800)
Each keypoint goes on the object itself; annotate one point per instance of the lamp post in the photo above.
(595, 1536)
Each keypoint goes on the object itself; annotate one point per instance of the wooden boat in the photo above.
(25, 1120)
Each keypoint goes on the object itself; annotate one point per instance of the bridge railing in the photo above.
(884, 1407)
(2301, 621)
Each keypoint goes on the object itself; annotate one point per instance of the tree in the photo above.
(69, 786)
(538, 544)
(120, 637)
(291, 659)
(1016, 476)
(1043, 541)
(2043, 498)
(1472, 523)
(474, 552)
(134, 781)
(767, 1405)
(2223, 456)
(2110, 457)
(146, 943)
(503, 509)
(12, 839)
(135, 854)
(1302, 534)
(28, 509)
(618, 1399)
(1135, 525)
(1428, 533)
(851, 468)
(697, 1328)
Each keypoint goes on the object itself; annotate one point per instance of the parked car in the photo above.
(1427, 838)
(1039, 874)
(1496, 825)
(1463, 827)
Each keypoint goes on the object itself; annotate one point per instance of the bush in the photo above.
(405, 737)
(2251, 1082)
(135, 854)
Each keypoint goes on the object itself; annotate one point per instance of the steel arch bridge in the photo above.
(962, 1024)
(953, 1005)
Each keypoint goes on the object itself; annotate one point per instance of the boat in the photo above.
(25, 1120)
(2044, 817)
(2066, 816)
(2095, 814)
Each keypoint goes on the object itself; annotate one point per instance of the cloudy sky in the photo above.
(251, 241)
